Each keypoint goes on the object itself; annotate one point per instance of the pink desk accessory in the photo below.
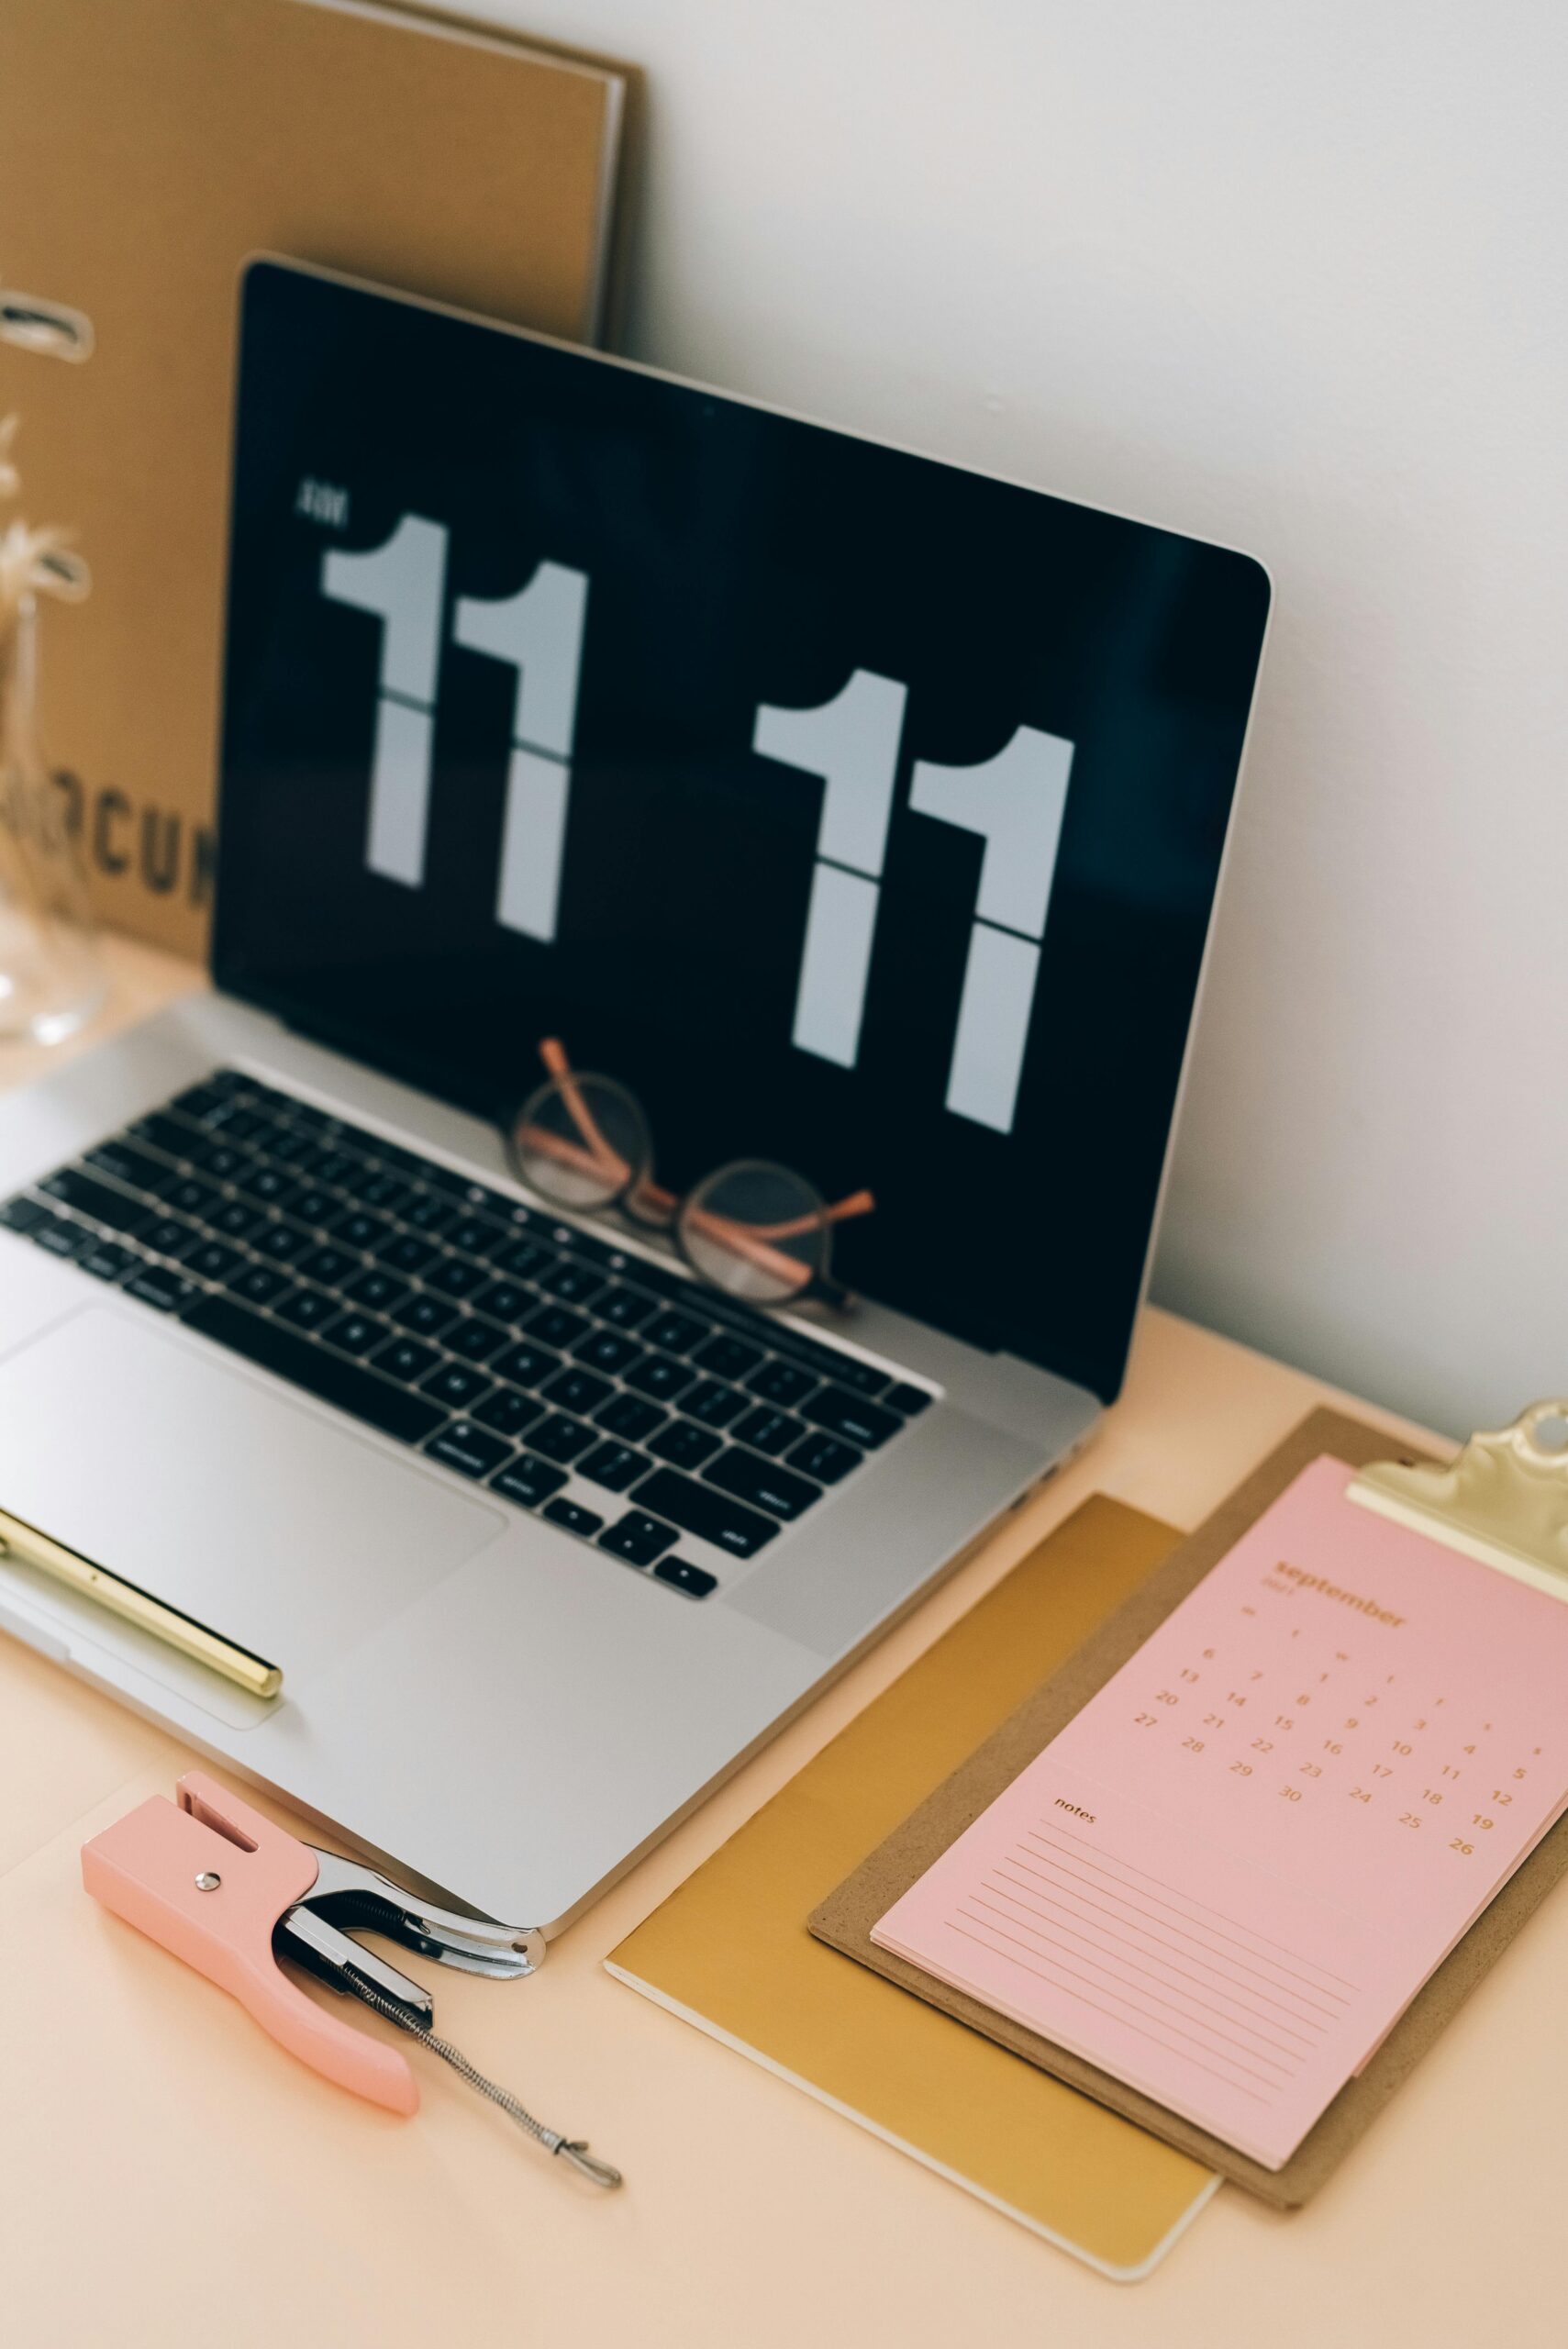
(1227, 1878)
(222, 1886)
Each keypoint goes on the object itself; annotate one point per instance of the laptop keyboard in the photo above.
(672, 1428)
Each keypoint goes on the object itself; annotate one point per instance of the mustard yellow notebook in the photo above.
(729, 1952)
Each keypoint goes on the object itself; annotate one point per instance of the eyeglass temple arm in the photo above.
(754, 1241)
(858, 1203)
(552, 1053)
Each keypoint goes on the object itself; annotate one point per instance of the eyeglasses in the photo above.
(757, 1231)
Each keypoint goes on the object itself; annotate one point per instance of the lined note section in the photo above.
(1212, 1988)
(1196, 1983)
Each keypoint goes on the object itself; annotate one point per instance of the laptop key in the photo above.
(25, 1215)
(762, 1483)
(456, 1386)
(105, 1205)
(562, 1439)
(555, 1326)
(696, 1581)
(711, 1516)
(61, 1237)
(259, 1284)
(214, 1261)
(574, 1516)
(728, 1357)
(825, 1458)
(519, 1259)
(361, 1333)
(473, 1234)
(107, 1261)
(571, 1282)
(473, 1451)
(526, 1365)
(609, 1351)
(713, 1403)
(164, 1133)
(528, 1481)
(359, 1228)
(160, 1287)
(388, 1193)
(508, 1411)
(337, 1168)
(290, 1145)
(625, 1307)
(220, 1160)
(309, 1203)
(455, 1276)
(841, 1413)
(769, 1430)
(377, 1291)
(473, 1339)
(306, 1309)
(235, 1220)
(264, 1182)
(199, 1101)
(684, 1445)
(168, 1235)
(191, 1196)
(281, 1243)
(638, 1539)
(630, 1417)
(614, 1465)
(661, 1377)
(426, 1316)
(328, 1376)
(676, 1333)
(427, 1213)
(783, 1382)
(504, 1300)
(907, 1399)
(136, 1167)
(330, 1265)
(406, 1252)
(406, 1359)
(576, 1390)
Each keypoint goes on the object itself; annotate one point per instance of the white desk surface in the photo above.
(168, 2177)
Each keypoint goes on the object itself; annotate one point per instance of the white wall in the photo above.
(1289, 274)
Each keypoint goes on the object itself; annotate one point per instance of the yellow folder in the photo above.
(729, 1952)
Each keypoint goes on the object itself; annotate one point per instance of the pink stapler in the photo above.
(230, 1893)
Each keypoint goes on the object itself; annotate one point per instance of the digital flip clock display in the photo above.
(1014, 801)
(860, 810)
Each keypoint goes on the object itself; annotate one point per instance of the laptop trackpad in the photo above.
(217, 1494)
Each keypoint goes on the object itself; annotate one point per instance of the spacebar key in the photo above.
(359, 1391)
(700, 1510)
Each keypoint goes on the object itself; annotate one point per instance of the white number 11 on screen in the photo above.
(1014, 801)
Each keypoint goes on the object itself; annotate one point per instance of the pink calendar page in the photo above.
(1226, 1879)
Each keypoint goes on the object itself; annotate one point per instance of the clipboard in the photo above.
(1435, 1501)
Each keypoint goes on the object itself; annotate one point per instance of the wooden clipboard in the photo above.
(845, 1919)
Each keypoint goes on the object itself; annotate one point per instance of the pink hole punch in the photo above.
(230, 1893)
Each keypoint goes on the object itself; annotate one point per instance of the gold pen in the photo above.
(31, 1548)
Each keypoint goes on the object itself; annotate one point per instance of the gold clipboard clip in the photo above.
(1503, 1501)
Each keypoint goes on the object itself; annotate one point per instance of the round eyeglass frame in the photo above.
(615, 1175)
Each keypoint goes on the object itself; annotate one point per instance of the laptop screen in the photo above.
(856, 810)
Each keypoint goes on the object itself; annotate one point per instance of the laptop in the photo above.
(857, 812)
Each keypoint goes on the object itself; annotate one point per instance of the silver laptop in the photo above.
(855, 811)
